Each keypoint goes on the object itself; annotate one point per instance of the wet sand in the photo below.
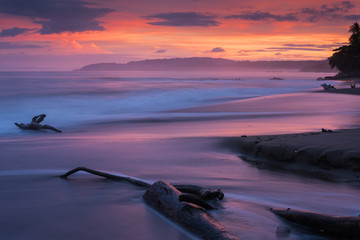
(332, 156)
(45, 206)
(284, 113)
(304, 102)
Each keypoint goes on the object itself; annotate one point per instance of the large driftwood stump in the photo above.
(164, 197)
(183, 204)
(348, 227)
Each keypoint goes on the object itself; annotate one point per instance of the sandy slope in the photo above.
(329, 155)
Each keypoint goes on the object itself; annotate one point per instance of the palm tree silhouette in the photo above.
(347, 58)
(355, 36)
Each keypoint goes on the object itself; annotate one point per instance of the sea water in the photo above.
(73, 99)
(134, 123)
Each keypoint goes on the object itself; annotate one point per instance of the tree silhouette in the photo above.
(355, 36)
(347, 58)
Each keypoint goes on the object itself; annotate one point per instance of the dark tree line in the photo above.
(347, 58)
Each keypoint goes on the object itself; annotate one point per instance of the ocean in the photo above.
(74, 100)
(170, 126)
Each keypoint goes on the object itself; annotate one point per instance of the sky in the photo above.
(68, 34)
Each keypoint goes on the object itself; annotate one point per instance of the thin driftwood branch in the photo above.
(107, 175)
(336, 225)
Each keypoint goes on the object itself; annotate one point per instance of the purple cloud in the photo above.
(328, 12)
(183, 19)
(323, 46)
(9, 45)
(12, 32)
(262, 16)
(161, 51)
(218, 49)
(58, 15)
(353, 17)
(295, 47)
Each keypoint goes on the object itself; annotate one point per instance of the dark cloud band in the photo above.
(182, 19)
(335, 11)
(12, 32)
(9, 45)
(261, 16)
(295, 47)
(57, 16)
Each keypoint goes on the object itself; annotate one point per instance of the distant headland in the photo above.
(212, 64)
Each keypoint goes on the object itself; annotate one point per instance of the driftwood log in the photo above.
(164, 197)
(35, 124)
(343, 227)
(183, 204)
(327, 86)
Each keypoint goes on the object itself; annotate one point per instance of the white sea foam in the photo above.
(71, 99)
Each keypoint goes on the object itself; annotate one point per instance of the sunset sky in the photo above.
(68, 34)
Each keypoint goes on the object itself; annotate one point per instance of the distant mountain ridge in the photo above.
(212, 64)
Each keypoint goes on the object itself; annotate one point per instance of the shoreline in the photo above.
(332, 156)
(352, 91)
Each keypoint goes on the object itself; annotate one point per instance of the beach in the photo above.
(108, 124)
(179, 120)
(333, 155)
(329, 155)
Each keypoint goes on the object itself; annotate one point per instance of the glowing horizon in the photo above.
(65, 35)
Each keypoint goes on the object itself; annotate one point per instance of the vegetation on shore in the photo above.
(347, 58)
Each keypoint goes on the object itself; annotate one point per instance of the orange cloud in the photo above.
(254, 30)
(66, 46)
